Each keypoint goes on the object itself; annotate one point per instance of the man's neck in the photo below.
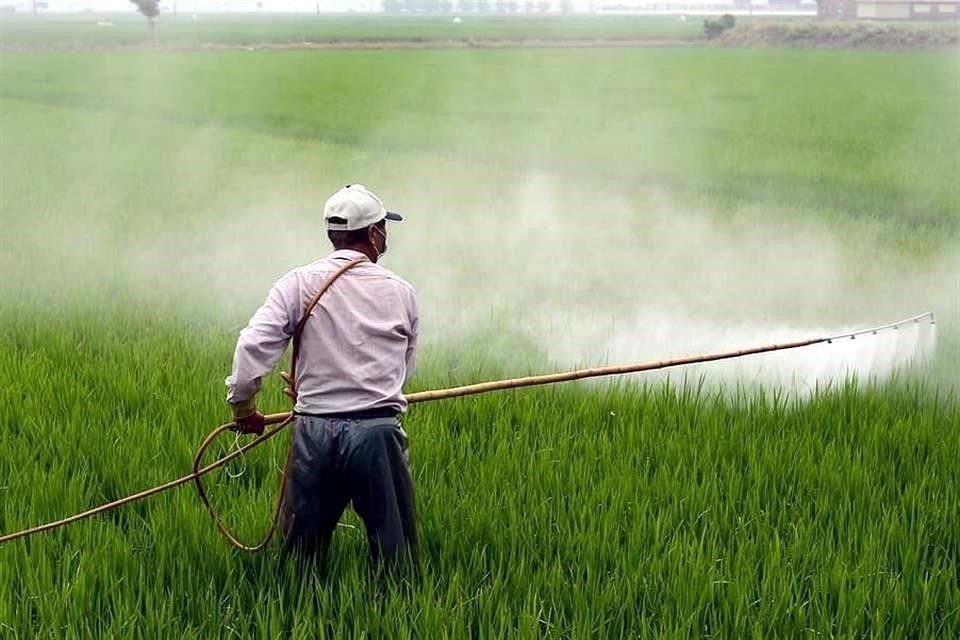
(364, 249)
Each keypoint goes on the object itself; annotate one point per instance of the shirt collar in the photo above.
(349, 254)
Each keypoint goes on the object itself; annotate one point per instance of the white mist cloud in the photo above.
(589, 270)
(623, 282)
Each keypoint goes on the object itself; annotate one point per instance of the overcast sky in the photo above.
(204, 5)
(283, 6)
(306, 6)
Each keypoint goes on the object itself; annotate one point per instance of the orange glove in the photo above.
(246, 418)
(253, 423)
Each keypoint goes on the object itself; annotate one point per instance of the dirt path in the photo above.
(805, 35)
(360, 45)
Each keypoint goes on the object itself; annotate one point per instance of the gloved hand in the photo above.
(289, 389)
(246, 418)
(252, 423)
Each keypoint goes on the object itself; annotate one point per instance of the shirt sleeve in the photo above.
(262, 342)
(411, 360)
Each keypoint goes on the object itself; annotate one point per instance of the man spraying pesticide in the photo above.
(350, 358)
(353, 350)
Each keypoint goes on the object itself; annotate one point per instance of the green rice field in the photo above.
(564, 207)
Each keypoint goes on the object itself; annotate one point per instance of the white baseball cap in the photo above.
(355, 207)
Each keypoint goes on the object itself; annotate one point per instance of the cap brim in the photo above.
(394, 217)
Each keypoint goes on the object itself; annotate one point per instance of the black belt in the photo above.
(366, 414)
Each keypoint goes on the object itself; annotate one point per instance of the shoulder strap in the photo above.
(295, 352)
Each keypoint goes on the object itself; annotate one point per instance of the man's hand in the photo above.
(246, 418)
(289, 390)
(252, 423)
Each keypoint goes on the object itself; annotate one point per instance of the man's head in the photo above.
(356, 219)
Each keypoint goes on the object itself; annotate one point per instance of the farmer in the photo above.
(355, 354)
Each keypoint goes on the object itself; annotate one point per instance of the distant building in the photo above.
(837, 9)
(918, 10)
(909, 9)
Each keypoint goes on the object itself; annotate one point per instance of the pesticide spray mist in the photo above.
(576, 268)
(655, 281)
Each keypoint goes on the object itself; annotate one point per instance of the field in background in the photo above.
(183, 30)
(147, 202)
(109, 31)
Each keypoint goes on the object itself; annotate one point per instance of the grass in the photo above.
(555, 512)
(147, 201)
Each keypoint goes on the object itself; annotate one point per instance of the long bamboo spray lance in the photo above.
(283, 419)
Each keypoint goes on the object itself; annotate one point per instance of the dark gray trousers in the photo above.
(334, 462)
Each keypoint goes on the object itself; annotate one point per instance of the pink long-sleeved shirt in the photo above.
(356, 351)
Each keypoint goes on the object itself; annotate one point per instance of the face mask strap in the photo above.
(374, 245)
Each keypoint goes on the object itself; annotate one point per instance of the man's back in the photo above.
(357, 349)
